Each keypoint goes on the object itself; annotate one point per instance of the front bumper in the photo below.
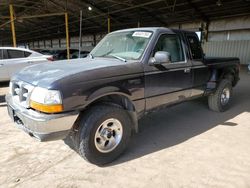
(44, 127)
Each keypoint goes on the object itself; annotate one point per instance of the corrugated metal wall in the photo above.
(239, 49)
(87, 43)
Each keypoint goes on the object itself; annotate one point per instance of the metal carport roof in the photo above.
(123, 14)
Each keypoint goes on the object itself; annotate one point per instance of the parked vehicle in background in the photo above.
(63, 54)
(83, 54)
(54, 53)
(96, 102)
(45, 52)
(14, 59)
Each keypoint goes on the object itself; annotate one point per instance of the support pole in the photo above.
(67, 33)
(80, 35)
(207, 30)
(138, 24)
(108, 24)
(12, 25)
(94, 40)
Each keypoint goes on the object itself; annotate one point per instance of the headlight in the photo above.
(44, 100)
(45, 96)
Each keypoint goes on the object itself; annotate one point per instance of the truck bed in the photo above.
(221, 61)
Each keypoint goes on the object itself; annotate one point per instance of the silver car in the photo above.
(14, 59)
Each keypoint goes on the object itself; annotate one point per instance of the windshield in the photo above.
(127, 45)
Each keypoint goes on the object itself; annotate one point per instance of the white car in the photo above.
(14, 59)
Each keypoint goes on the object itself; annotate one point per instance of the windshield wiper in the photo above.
(118, 57)
(112, 55)
(91, 56)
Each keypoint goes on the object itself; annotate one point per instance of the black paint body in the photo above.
(83, 81)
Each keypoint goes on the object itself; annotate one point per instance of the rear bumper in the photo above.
(44, 127)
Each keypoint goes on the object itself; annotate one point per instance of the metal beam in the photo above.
(4, 17)
(12, 25)
(41, 15)
(102, 15)
(72, 12)
(67, 33)
(6, 23)
(105, 14)
(155, 17)
(108, 24)
(197, 10)
(119, 3)
(99, 10)
(18, 5)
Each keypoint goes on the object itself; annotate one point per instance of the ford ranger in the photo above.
(97, 101)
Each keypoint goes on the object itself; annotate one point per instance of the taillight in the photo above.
(50, 58)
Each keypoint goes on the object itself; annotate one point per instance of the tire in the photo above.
(104, 133)
(220, 101)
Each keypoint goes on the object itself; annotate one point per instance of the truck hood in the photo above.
(77, 70)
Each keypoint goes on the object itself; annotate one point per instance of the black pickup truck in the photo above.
(96, 101)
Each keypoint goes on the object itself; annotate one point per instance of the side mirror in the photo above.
(161, 57)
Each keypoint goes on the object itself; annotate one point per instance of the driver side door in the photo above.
(168, 83)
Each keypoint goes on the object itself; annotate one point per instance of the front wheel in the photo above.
(221, 99)
(104, 133)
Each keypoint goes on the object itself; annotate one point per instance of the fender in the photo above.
(212, 83)
(111, 90)
(104, 91)
(217, 75)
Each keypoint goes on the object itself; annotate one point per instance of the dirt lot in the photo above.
(184, 146)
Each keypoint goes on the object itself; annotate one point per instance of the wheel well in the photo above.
(119, 101)
(229, 74)
(220, 74)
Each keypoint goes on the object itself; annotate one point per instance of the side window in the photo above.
(27, 54)
(171, 44)
(195, 47)
(15, 54)
(1, 54)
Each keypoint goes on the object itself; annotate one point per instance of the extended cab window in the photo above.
(1, 54)
(195, 47)
(172, 45)
(15, 54)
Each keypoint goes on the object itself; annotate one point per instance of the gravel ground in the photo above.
(184, 146)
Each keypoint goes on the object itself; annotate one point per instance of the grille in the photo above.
(21, 92)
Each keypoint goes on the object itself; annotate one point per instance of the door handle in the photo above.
(187, 70)
(29, 62)
(1, 65)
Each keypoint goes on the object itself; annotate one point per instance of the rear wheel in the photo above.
(104, 133)
(221, 99)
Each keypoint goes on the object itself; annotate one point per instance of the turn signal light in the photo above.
(54, 108)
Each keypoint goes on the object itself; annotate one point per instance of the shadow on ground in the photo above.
(172, 126)
(2, 98)
(4, 84)
(3, 89)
